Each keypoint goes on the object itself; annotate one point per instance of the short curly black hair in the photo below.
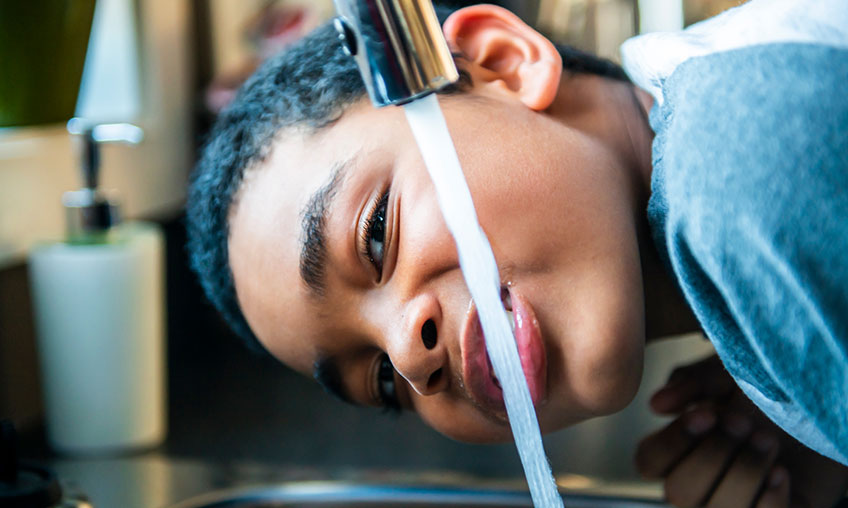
(309, 85)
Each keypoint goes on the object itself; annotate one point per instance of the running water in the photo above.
(481, 275)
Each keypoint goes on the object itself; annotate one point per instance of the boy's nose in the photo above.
(418, 352)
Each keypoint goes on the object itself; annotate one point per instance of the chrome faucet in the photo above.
(399, 47)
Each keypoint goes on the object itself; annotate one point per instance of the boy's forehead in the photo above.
(264, 227)
(275, 191)
(301, 148)
(267, 226)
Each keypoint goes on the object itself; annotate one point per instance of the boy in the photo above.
(315, 230)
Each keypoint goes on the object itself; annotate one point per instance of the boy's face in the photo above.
(558, 207)
(552, 203)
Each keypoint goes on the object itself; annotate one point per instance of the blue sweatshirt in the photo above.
(750, 208)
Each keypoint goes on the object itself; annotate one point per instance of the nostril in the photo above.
(428, 334)
(434, 379)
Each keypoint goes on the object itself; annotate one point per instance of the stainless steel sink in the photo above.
(339, 495)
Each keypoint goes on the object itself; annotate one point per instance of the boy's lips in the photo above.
(477, 371)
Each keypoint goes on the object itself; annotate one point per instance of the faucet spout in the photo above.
(399, 47)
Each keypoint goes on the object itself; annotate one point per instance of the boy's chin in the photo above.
(598, 404)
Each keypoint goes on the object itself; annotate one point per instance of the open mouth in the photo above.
(478, 372)
(506, 300)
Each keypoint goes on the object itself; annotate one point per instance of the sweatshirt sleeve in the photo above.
(750, 205)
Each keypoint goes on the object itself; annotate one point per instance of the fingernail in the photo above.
(700, 422)
(777, 477)
(736, 425)
(657, 397)
(673, 384)
(663, 400)
(763, 442)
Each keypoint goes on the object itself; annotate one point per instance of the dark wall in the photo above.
(526, 9)
(20, 389)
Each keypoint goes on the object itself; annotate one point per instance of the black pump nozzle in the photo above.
(89, 214)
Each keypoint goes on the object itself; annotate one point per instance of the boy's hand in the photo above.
(721, 451)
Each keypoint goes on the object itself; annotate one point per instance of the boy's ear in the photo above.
(506, 54)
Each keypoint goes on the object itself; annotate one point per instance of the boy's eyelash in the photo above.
(367, 228)
(389, 401)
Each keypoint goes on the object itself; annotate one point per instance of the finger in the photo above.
(776, 493)
(736, 425)
(676, 395)
(693, 479)
(659, 452)
(747, 475)
(705, 379)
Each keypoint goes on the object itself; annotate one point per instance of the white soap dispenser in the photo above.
(99, 307)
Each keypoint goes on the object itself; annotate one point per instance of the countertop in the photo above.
(237, 420)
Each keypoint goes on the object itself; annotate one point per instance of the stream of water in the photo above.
(481, 275)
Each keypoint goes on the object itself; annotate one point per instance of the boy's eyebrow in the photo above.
(313, 251)
(326, 371)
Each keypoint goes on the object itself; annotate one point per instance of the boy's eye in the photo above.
(386, 388)
(374, 233)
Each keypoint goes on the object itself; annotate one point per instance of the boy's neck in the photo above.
(617, 114)
(666, 310)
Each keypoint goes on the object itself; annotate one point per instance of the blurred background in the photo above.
(167, 67)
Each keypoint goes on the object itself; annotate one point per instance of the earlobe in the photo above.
(506, 54)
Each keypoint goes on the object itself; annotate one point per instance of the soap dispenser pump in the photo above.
(98, 301)
(90, 216)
